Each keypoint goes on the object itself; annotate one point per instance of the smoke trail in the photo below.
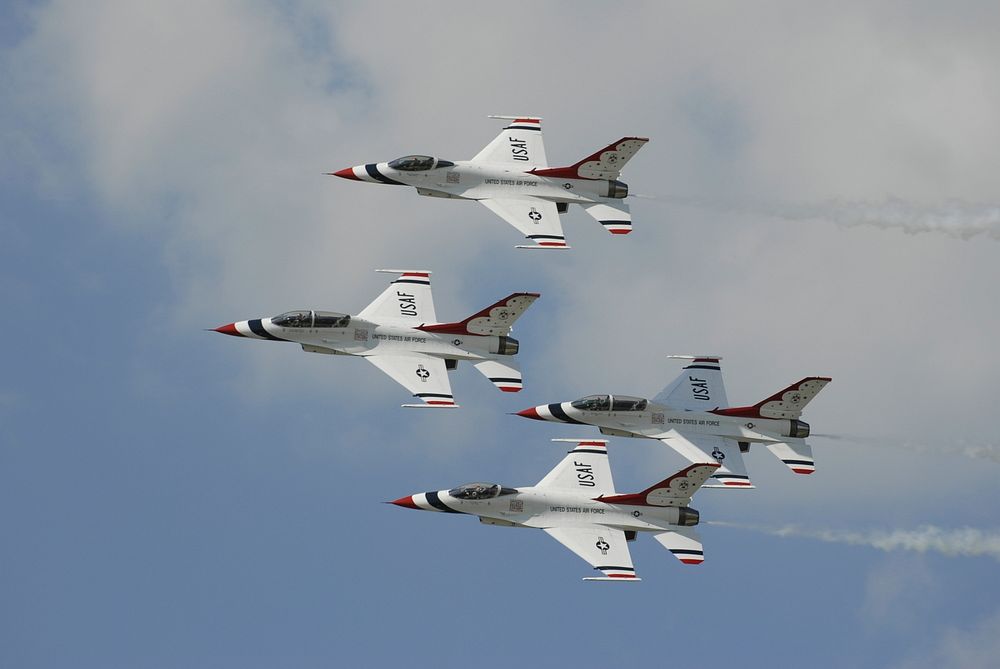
(962, 541)
(955, 446)
(954, 218)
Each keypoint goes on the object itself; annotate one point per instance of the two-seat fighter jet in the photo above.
(511, 178)
(692, 416)
(576, 505)
(399, 334)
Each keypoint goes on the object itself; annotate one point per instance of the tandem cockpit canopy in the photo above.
(609, 403)
(418, 163)
(480, 491)
(311, 319)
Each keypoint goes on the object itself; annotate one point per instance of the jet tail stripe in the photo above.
(443, 395)
(504, 379)
(588, 450)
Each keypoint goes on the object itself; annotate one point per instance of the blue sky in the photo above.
(826, 204)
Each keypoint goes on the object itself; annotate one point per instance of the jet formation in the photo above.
(511, 177)
(576, 504)
(400, 334)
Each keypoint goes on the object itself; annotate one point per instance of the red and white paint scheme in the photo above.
(693, 416)
(511, 178)
(400, 334)
(576, 504)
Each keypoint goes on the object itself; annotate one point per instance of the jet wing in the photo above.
(698, 388)
(535, 218)
(407, 299)
(684, 543)
(423, 375)
(732, 472)
(603, 548)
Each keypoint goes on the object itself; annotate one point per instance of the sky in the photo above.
(819, 198)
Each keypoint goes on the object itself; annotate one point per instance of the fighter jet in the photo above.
(693, 416)
(511, 178)
(576, 504)
(399, 334)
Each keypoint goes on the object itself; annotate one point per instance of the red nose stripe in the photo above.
(229, 330)
(346, 173)
(530, 413)
(406, 502)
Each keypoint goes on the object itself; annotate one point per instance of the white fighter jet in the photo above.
(576, 504)
(511, 177)
(399, 334)
(693, 416)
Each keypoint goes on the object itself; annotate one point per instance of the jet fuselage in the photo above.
(647, 419)
(540, 508)
(477, 181)
(362, 338)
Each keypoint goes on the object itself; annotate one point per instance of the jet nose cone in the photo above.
(405, 502)
(530, 413)
(346, 173)
(229, 330)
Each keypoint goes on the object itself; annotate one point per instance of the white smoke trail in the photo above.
(954, 218)
(958, 446)
(962, 541)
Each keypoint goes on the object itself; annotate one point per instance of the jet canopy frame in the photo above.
(418, 163)
(480, 491)
(610, 403)
(311, 319)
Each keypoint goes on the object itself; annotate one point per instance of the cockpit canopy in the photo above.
(480, 491)
(418, 163)
(311, 319)
(609, 403)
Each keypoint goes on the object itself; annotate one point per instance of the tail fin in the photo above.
(584, 468)
(495, 319)
(676, 490)
(787, 403)
(604, 164)
(519, 143)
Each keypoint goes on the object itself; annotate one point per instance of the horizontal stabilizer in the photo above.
(795, 453)
(684, 543)
(504, 375)
(612, 579)
(429, 406)
(614, 216)
(495, 320)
